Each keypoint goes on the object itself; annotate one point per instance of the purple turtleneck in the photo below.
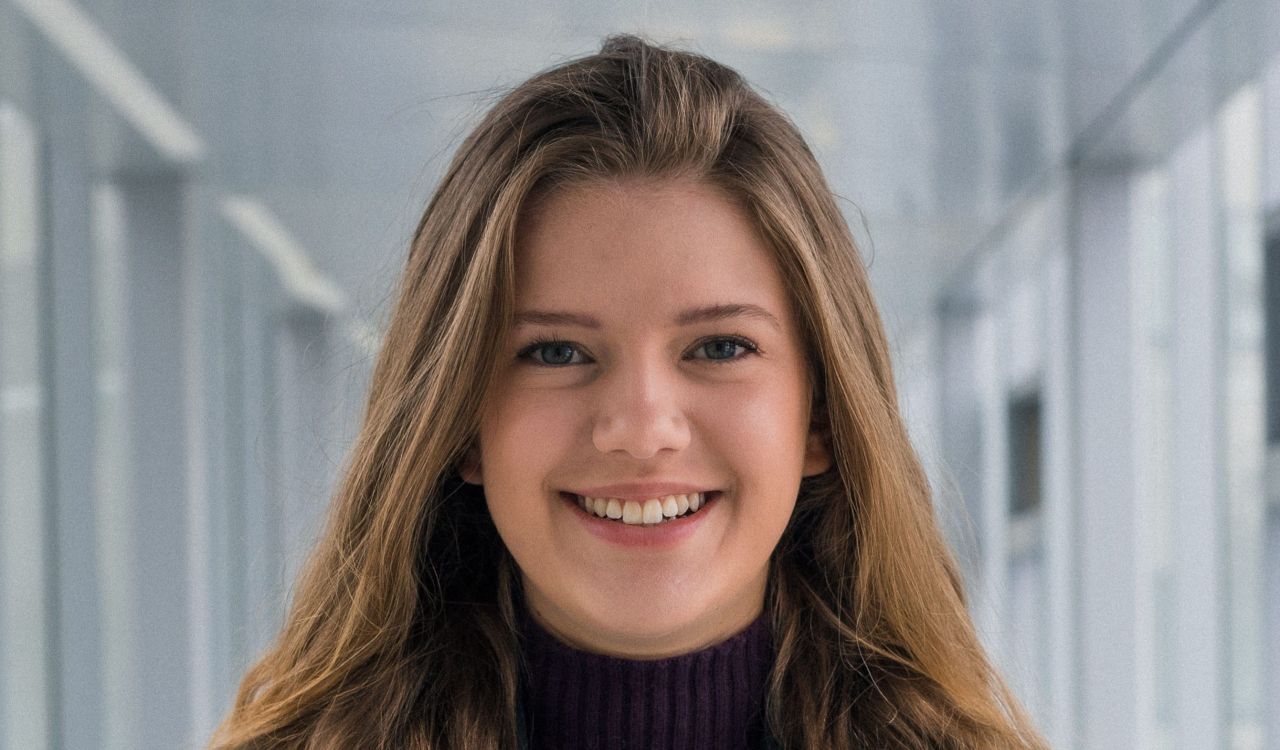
(708, 700)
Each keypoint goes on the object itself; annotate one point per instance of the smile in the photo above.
(652, 512)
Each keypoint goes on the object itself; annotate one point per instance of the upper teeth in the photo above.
(637, 512)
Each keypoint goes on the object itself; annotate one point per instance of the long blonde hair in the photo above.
(402, 632)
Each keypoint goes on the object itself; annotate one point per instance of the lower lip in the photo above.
(666, 534)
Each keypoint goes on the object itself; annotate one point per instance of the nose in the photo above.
(640, 413)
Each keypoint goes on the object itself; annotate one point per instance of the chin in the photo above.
(642, 620)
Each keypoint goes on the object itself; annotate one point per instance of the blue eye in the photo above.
(723, 349)
(555, 353)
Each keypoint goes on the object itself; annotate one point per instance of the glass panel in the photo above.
(1271, 299)
(1027, 592)
(24, 679)
(1024, 454)
(1272, 580)
(1245, 412)
(1152, 300)
(961, 483)
(111, 471)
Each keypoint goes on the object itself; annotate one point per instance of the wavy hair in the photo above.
(402, 631)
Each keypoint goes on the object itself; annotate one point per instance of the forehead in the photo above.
(631, 246)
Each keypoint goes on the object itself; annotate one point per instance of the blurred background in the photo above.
(1071, 213)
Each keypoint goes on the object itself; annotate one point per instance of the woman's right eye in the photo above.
(550, 353)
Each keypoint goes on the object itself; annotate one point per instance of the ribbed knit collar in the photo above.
(705, 700)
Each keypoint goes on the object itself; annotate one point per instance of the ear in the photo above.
(469, 467)
(817, 458)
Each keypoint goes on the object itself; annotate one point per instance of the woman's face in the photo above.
(655, 354)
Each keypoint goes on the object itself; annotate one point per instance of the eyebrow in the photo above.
(707, 313)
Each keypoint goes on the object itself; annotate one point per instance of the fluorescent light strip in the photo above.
(300, 279)
(107, 68)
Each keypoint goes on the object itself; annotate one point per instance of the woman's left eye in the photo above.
(723, 349)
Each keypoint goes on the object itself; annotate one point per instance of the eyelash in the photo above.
(526, 353)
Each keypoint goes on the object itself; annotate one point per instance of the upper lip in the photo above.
(640, 490)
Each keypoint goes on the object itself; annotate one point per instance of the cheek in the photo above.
(757, 424)
(518, 445)
(521, 433)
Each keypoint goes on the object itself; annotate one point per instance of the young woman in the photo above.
(632, 473)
